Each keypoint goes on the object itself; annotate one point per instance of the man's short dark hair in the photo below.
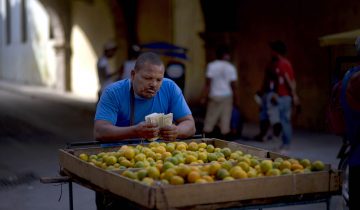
(147, 57)
(279, 47)
(221, 51)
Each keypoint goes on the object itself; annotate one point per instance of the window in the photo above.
(23, 22)
(8, 21)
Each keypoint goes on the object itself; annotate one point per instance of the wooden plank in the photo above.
(196, 194)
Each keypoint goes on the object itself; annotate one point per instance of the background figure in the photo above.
(267, 98)
(350, 101)
(129, 65)
(105, 74)
(220, 93)
(286, 90)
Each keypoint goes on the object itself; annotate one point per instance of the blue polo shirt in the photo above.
(114, 105)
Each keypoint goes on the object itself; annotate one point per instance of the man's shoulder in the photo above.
(120, 85)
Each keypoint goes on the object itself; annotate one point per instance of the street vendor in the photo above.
(121, 111)
(123, 106)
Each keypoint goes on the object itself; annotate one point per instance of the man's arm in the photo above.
(105, 131)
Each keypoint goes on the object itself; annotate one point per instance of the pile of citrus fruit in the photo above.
(180, 162)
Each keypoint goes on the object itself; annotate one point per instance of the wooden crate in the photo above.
(171, 196)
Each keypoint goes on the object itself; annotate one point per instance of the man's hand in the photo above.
(169, 133)
(147, 130)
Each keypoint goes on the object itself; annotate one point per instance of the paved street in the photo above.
(35, 123)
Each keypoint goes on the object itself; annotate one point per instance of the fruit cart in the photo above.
(247, 193)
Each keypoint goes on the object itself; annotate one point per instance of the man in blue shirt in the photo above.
(121, 111)
(122, 108)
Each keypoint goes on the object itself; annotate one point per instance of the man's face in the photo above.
(147, 81)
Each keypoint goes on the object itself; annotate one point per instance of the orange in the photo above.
(153, 172)
(177, 180)
(222, 173)
(193, 176)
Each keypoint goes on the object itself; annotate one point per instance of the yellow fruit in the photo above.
(292, 160)
(208, 178)
(168, 174)
(305, 163)
(148, 181)
(265, 166)
(176, 180)
(210, 148)
(153, 172)
(159, 149)
(140, 157)
(129, 174)
(141, 174)
(170, 147)
(166, 155)
(244, 165)
(296, 166)
(93, 157)
(286, 171)
(214, 167)
(167, 165)
(129, 153)
(252, 173)
(203, 156)
(226, 151)
(181, 147)
(254, 162)
(234, 156)
(222, 173)
(193, 146)
(125, 163)
(226, 164)
(190, 159)
(111, 160)
(238, 173)
(202, 145)
(110, 168)
(228, 178)
(201, 181)
(212, 157)
(84, 157)
(154, 144)
(193, 176)
(139, 164)
(273, 172)
(245, 159)
(164, 181)
(285, 164)
(183, 170)
(317, 165)
(146, 151)
(298, 171)
(279, 159)
(276, 164)
(173, 160)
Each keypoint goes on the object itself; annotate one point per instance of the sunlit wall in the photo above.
(26, 51)
(93, 25)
